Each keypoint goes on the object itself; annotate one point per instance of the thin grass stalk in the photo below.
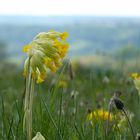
(133, 134)
(70, 70)
(78, 132)
(52, 120)
(138, 97)
(5, 133)
(60, 109)
(10, 128)
(18, 124)
(56, 86)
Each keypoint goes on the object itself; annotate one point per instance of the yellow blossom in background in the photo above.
(45, 52)
(62, 84)
(134, 75)
(136, 80)
(90, 116)
(99, 115)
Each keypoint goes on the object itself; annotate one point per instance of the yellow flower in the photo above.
(134, 75)
(64, 35)
(57, 43)
(46, 51)
(62, 84)
(40, 78)
(99, 115)
(136, 80)
(26, 48)
(90, 116)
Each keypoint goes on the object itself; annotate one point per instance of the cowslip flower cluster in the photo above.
(99, 115)
(136, 80)
(45, 52)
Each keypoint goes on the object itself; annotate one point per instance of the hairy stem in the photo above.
(28, 103)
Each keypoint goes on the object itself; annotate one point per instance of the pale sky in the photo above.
(71, 7)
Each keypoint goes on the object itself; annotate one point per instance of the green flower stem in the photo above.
(27, 124)
(31, 104)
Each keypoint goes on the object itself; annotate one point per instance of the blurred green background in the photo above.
(104, 51)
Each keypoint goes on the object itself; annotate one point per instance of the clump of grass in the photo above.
(60, 108)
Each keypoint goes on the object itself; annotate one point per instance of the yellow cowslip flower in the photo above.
(64, 35)
(62, 47)
(99, 115)
(40, 78)
(26, 48)
(136, 80)
(45, 52)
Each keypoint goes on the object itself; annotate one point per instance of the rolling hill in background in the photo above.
(87, 35)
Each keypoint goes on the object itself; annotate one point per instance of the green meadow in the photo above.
(93, 95)
(63, 103)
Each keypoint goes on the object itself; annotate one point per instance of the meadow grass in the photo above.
(61, 104)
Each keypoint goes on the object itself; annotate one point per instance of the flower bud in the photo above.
(119, 104)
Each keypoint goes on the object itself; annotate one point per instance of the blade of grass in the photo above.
(60, 110)
(3, 118)
(10, 128)
(51, 118)
(78, 132)
(56, 85)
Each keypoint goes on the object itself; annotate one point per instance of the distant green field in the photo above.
(87, 34)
